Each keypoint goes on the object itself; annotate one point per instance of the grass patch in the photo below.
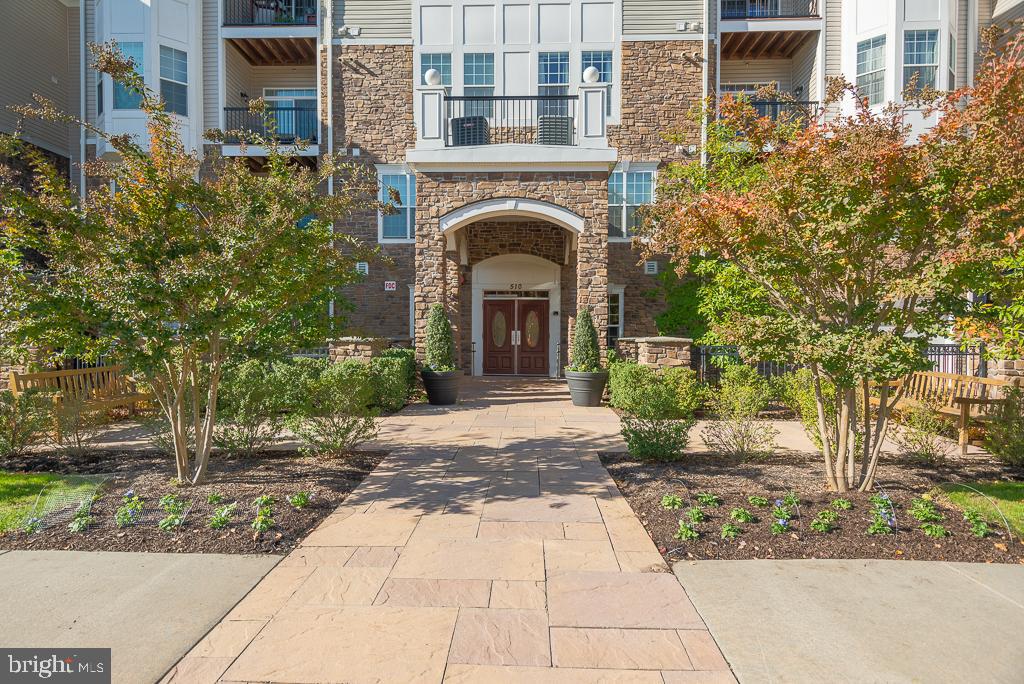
(18, 493)
(1009, 496)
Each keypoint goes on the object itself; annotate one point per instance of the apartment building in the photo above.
(522, 135)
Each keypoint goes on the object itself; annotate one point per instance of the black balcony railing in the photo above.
(773, 109)
(269, 12)
(292, 123)
(510, 119)
(769, 9)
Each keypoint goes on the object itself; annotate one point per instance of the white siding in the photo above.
(90, 74)
(759, 71)
(1006, 10)
(34, 37)
(375, 18)
(281, 77)
(833, 37)
(805, 69)
(237, 77)
(211, 85)
(74, 88)
(658, 16)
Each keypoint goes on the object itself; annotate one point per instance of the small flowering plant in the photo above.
(129, 512)
(300, 500)
(742, 515)
(883, 515)
(979, 528)
(686, 531)
(695, 514)
(33, 525)
(780, 525)
(671, 502)
(708, 499)
(758, 501)
(730, 531)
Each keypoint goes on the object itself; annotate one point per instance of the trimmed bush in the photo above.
(390, 377)
(408, 357)
(335, 414)
(586, 354)
(23, 422)
(293, 377)
(653, 429)
(629, 384)
(742, 394)
(250, 406)
(439, 348)
(687, 390)
(1004, 437)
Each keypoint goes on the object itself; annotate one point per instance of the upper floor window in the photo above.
(400, 225)
(478, 80)
(871, 69)
(627, 191)
(99, 94)
(952, 63)
(442, 61)
(124, 98)
(602, 61)
(553, 73)
(920, 58)
(174, 79)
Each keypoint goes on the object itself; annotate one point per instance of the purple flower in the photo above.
(783, 522)
(129, 493)
(778, 502)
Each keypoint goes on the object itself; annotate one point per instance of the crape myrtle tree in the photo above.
(841, 243)
(171, 269)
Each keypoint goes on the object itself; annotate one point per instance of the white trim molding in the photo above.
(484, 209)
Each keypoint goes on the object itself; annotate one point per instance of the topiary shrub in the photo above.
(688, 391)
(627, 384)
(439, 348)
(586, 354)
(1004, 435)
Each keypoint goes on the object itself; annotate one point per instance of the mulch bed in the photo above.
(149, 474)
(644, 485)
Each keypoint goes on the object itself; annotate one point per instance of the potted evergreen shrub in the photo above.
(440, 376)
(584, 374)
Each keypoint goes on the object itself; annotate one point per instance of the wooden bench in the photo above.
(99, 389)
(964, 397)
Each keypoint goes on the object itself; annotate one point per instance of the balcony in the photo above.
(769, 9)
(773, 109)
(511, 131)
(510, 120)
(293, 124)
(270, 12)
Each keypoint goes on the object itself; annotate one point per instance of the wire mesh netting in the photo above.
(62, 500)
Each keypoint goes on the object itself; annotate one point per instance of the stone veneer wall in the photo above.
(373, 111)
(656, 352)
(439, 277)
(358, 348)
(1008, 370)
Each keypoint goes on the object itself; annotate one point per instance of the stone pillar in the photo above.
(453, 285)
(664, 352)
(592, 272)
(1009, 370)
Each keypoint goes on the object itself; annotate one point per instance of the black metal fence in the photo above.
(709, 360)
(510, 119)
(269, 12)
(291, 123)
(952, 358)
(769, 9)
(774, 109)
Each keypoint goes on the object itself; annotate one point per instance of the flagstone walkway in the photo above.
(490, 546)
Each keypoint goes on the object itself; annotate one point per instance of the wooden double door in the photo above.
(515, 337)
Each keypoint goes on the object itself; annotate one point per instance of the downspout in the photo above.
(972, 39)
(83, 114)
(704, 82)
(329, 84)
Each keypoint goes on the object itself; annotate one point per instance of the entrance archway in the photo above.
(518, 288)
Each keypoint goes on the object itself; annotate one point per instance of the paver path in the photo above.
(490, 546)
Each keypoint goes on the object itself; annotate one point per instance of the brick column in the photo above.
(453, 285)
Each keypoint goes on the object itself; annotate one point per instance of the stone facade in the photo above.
(657, 352)
(357, 348)
(1012, 371)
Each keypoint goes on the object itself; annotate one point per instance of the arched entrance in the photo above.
(516, 305)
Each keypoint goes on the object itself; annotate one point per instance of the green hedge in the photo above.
(636, 389)
(393, 377)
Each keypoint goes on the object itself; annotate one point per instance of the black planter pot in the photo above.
(586, 388)
(442, 388)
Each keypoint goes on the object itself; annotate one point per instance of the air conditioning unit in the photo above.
(470, 130)
(555, 130)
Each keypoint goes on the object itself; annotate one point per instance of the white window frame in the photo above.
(395, 170)
(869, 42)
(617, 292)
(412, 313)
(171, 79)
(643, 167)
(923, 65)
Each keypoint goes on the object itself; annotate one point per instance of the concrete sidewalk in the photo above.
(862, 620)
(149, 608)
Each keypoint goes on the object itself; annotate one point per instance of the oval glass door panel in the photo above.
(499, 329)
(532, 329)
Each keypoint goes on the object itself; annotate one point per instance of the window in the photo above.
(615, 314)
(627, 190)
(602, 61)
(920, 58)
(294, 111)
(952, 63)
(99, 94)
(400, 225)
(553, 79)
(478, 79)
(871, 69)
(442, 61)
(124, 98)
(174, 79)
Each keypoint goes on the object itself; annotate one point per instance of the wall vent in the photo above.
(651, 267)
(363, 268)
